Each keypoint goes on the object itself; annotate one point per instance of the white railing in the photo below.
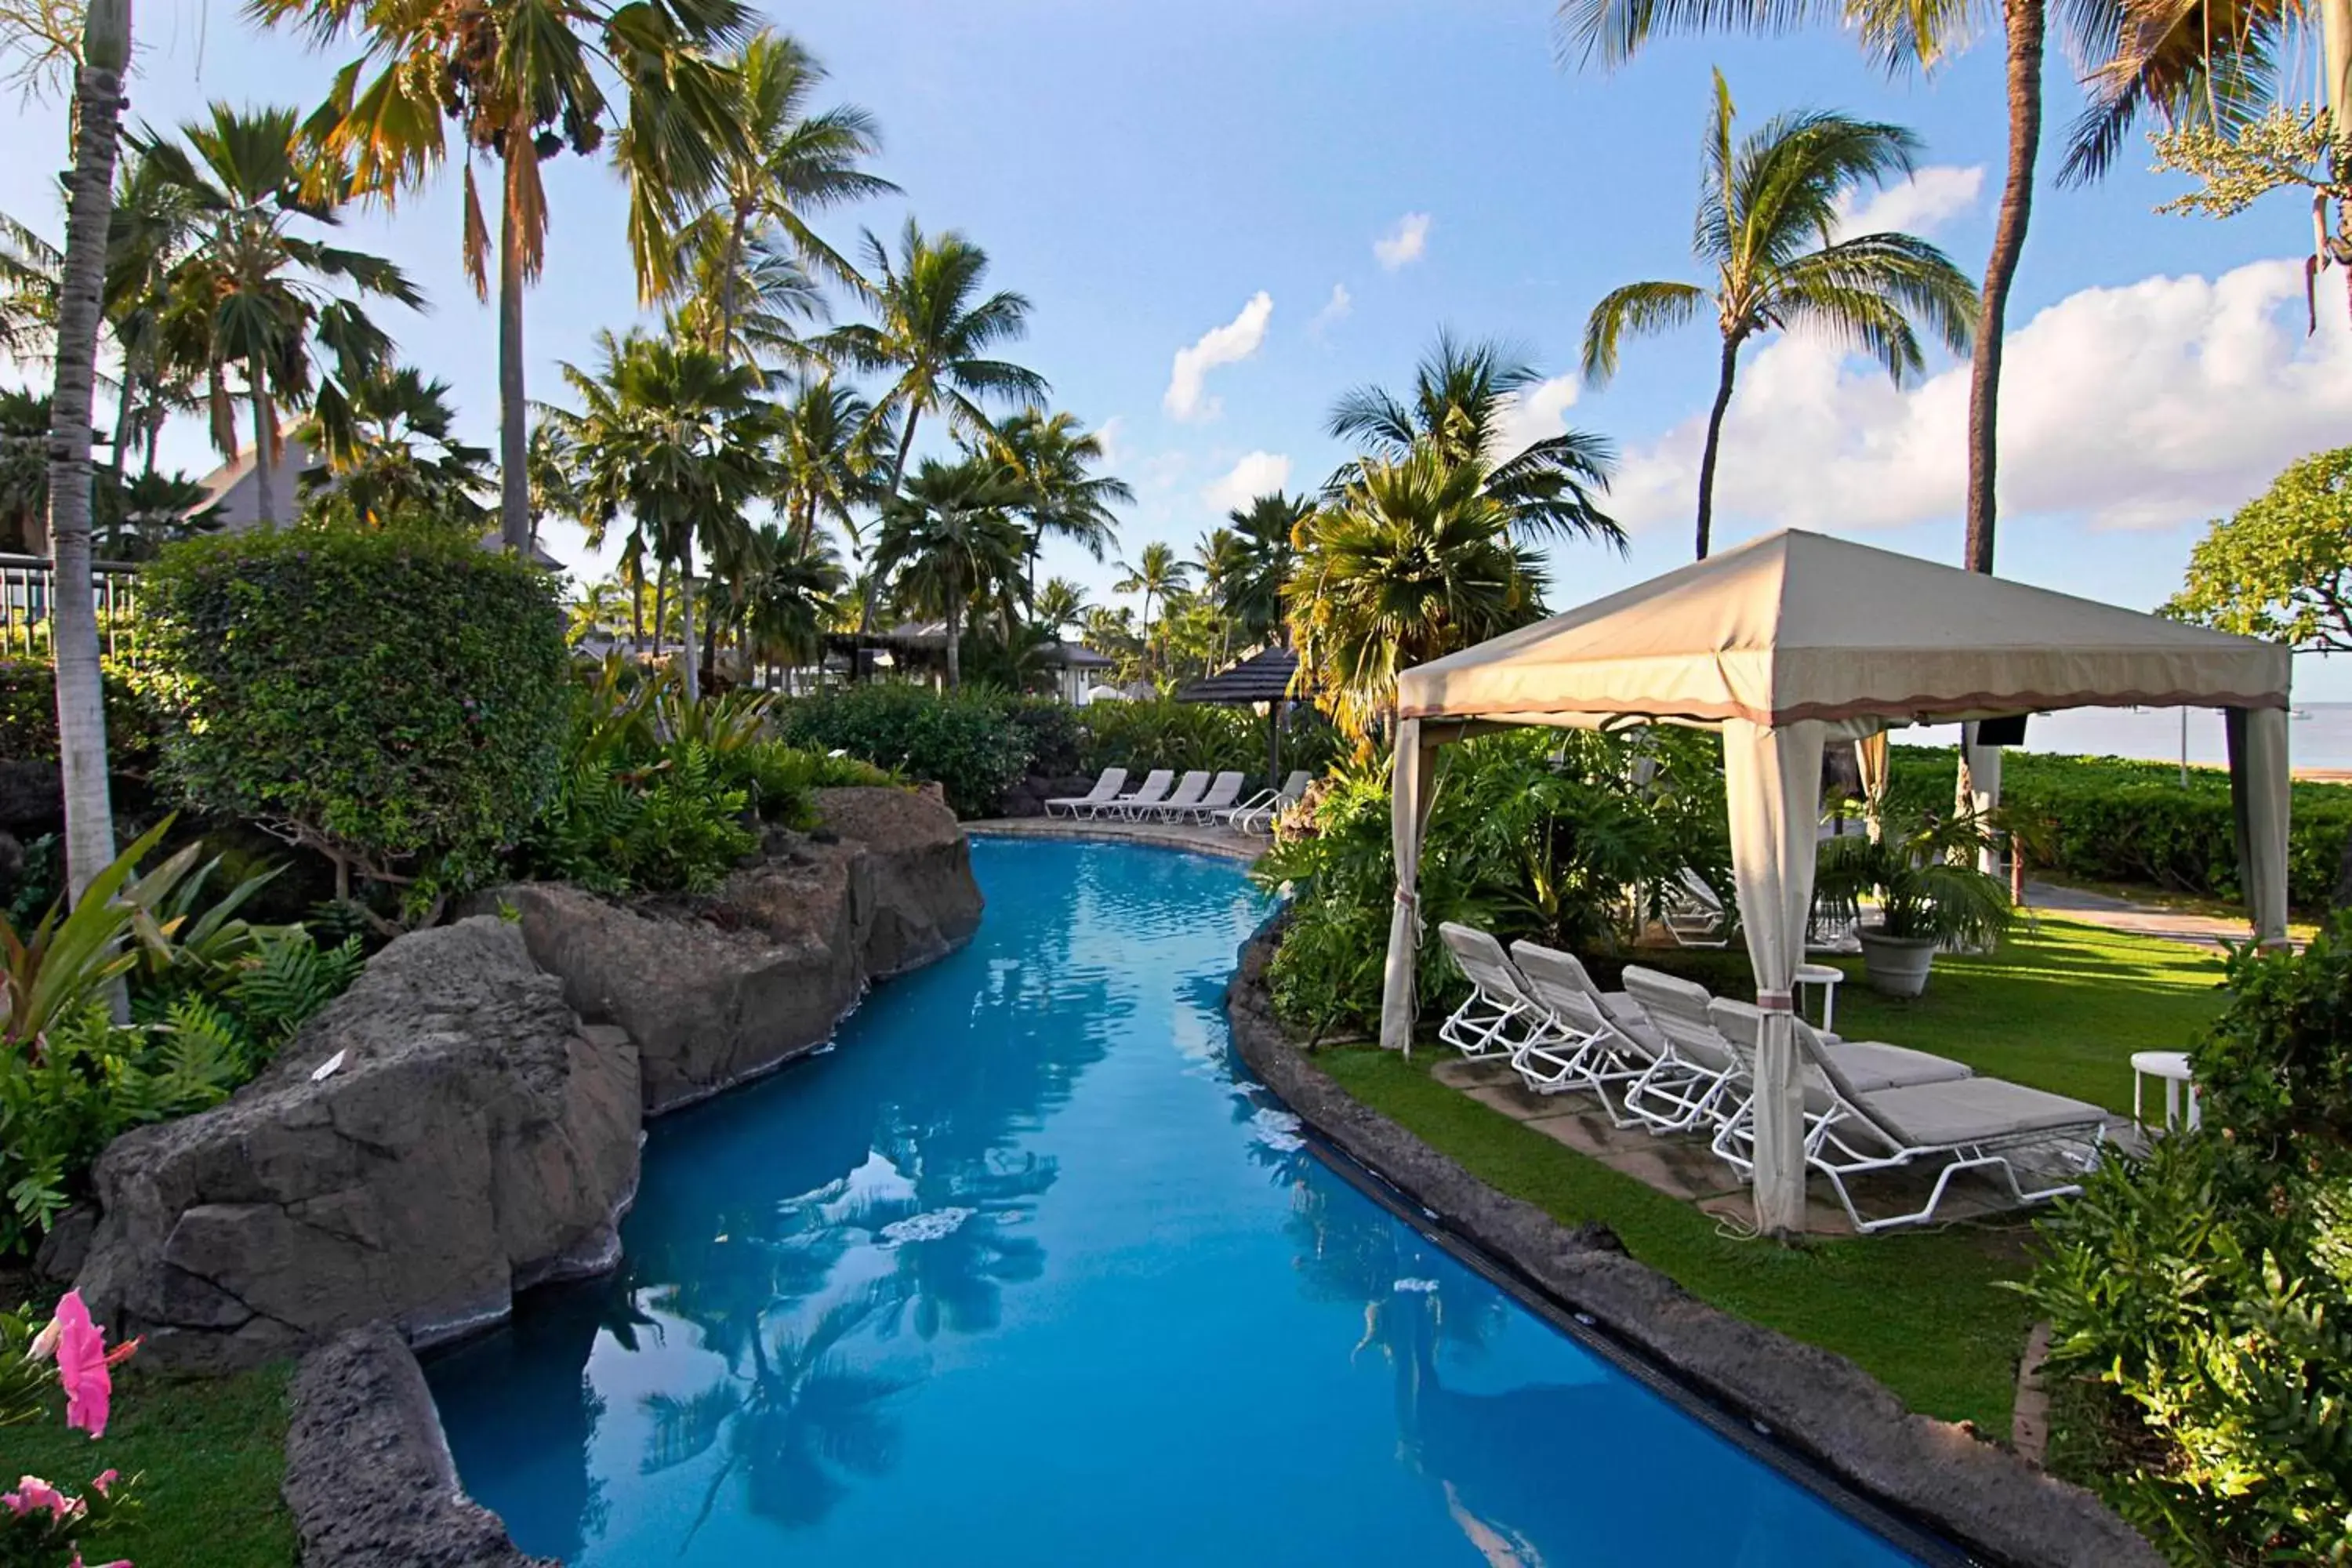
(28, 591)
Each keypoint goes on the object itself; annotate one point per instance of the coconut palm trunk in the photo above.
(265, 507)
(81, 704)
(955, 640)
(514, 478)
(2024, 21)
(687, 649)
(1714, 444)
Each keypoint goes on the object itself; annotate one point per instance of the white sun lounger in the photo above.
(1600, 1047)
(1258, 814)
(1223, 791)
(1105, 790)
(1974, 1123)
(1501, 1016)
(1151, 792)
(1691, 1082)
(1189, 791)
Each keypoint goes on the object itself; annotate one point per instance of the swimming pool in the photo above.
(1024, 1272)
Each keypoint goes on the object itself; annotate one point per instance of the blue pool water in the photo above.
(1025, 1272)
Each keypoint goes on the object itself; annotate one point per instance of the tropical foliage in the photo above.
(2278, 568)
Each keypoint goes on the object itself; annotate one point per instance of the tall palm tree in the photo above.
(23, 470)
(1412, 561)
(1460, 393)
(1051, 458)
(81, 707)
(949, 539)
(1156, 573)
(1903, 35)
(2193, 64)
(785, 166)
(517, 82)
(397, 455)
(1264, 531)
(677, 438)
(780, 606)
(155, 222)
(252, 294)
(833, 450)
(153, 511)
(1767, 222)
(1058, 605)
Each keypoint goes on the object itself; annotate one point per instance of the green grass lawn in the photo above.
(209, 1454)
(1921, 1310)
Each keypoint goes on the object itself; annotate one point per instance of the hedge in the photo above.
(2112, 820)
(394, 700)
(28, 716)
(965, 742)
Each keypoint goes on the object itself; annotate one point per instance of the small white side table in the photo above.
(1829, 978)
(2172, 1067)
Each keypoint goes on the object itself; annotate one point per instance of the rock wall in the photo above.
(471, 1140)
(1819, 1403)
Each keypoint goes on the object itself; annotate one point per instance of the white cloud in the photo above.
(1257, 474)
(1539, 412)
(2162, 403)
(1338, 308)
(1403, 244)
(1921, 205)
(1229, 344)
(1112, 433)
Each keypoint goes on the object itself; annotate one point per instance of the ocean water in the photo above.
(2320, 736)
(1025, 1271)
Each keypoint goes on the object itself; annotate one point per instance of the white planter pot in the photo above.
(1895, 966)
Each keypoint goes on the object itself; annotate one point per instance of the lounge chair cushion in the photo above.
(1931, 1115)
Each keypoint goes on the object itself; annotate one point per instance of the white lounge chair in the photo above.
(1600, 1047)
(1974, 1123)
(1693, 913)
(1189, 791)
(1500, 1017)
(1223, 791)
(1258, 814)
(1691, 1083)
(1151, 792)
(1105, 790)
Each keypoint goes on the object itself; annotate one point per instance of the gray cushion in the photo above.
(1871, 1067)
(1930, 1115)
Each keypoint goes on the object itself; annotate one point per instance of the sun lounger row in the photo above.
(1198, 797)
(1664, 1054)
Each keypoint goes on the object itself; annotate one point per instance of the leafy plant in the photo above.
(963, 742)
(1928, 884)
(391, 700)
(670, 826)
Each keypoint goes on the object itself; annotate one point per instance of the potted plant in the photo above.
(1929, 894)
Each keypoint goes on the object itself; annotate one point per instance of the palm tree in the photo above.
(155, 221)
(1263, 532)
(678, 439)
(1901, 36)
(781, 607)
(783, 166)
(81, 707)
(950, 541)
(1059, 605)
(153, 511)
(250, 294)
(517, 82)
(1767, 220)
(832, 449)
(1050, 458)
(1460, 393)
(23, 470)
(397, 456)
(1412, 561)
(1155, 573)
(2192, 68)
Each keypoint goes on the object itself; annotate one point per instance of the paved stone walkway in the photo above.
(2124, 915)
(1201, 840)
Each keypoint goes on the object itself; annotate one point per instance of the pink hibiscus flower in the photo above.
(82, 1366)
(33, 1495)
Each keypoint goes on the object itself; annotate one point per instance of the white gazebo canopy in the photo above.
(1796, 639)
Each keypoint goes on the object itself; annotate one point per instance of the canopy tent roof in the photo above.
(1264, 677)
(1799, 625)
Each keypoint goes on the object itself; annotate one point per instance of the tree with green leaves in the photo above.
(1767, 220)
(1412, 561)
(1051, 458)
(1156, 573)
(1264, 555)
(396, 459)
(2281, 567)
(1058, 605)
(780, 607)
(1462, 393)
(515, 83)
(255, 295)
(679, 440)
(834, 449)
(948, 544)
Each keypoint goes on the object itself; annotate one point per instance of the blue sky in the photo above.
(1146, 174)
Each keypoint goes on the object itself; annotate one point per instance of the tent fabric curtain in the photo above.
(1984, 792)
(1409, 816)
(1772, 784)
(1870, 756)
(2259, 776)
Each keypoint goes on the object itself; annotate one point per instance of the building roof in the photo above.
(1264, 677)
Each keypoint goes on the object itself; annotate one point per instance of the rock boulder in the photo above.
(926, 903)
(468, 1140)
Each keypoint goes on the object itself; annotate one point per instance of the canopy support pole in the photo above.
(1409, 817)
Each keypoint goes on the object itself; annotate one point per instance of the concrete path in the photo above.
(2124, 915)
(1165, 835)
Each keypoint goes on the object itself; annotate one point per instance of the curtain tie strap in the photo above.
(1775, 1002)
(1407, 900)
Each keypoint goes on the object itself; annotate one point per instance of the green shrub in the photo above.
(390, 700)
(963, 742)
(28, 716)
(1052, 733)
(1166, 733)
(2111, 820)
(2204, 1291)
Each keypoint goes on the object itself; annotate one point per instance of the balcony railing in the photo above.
(28, 593)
